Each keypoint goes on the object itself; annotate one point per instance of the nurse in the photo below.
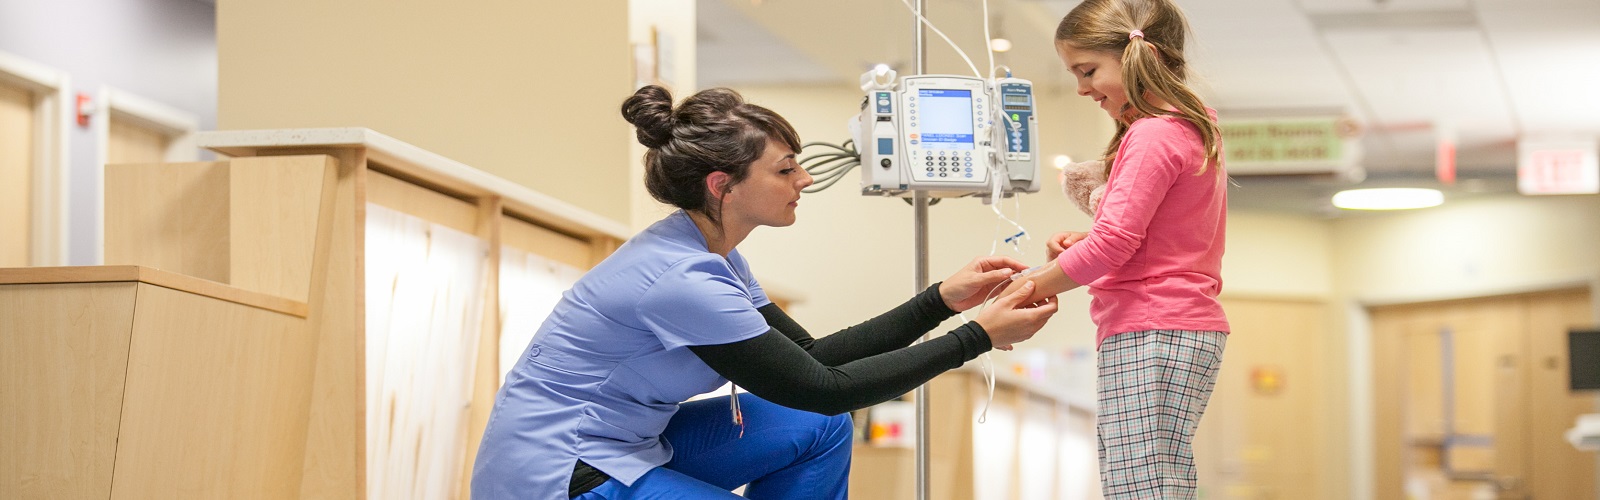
(594, 408)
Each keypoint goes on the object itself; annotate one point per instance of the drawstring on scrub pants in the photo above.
(733, 404)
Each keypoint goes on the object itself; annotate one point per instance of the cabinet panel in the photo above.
(16, 175)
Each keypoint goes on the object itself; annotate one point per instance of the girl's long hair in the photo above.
(1152, 63)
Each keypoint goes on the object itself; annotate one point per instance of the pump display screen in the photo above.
(1015, 99)
(946, 118)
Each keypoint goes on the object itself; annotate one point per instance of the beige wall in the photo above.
(1469, 248)
(524, 90)
(1278, 255)
(673, 25)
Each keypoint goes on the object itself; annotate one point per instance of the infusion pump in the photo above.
(948, 135)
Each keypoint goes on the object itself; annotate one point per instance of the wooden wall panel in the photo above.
(486, 378)
(550, 244)
(275, 204)
(1261, 434)
(1508, 356)
(216, 400)
(134, 143)
(422, 202)
(1557, 469)
(425, 309)
(335, 457)
(63, 356)
(887, 472)
(950, 457)
(170, 216)
(16, 176)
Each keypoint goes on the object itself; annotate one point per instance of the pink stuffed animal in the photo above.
(1084, 183)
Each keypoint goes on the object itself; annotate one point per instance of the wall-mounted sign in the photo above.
(1266, 380)
(1289, 145)
(1557, 167)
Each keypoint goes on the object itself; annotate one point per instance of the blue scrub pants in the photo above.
(785, 453)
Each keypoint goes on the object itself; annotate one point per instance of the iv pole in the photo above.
(919, 231)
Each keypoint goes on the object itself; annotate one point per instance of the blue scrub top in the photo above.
(607, 369)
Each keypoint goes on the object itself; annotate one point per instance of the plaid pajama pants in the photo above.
(1153, 387)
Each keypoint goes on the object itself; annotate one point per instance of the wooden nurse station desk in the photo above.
(317, 315)
(129, 382)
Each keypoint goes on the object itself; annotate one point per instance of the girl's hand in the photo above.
(974, 282)
(1013, 318)
(1060, 241)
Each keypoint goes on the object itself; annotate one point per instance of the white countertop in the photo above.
(399, 154)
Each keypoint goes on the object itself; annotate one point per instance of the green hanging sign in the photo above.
(1286, 145)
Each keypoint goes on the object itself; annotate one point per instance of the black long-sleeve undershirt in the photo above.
(857, 367)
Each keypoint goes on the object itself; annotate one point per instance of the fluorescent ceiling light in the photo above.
(1388, 199)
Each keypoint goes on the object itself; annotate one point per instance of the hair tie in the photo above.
(1135, 34)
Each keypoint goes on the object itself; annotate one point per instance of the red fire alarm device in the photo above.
(84, 109)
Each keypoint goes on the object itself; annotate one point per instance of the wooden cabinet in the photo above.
(368, 380)
(129, 382)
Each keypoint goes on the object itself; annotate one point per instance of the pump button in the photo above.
(885, 162)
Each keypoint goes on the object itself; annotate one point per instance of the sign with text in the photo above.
(1558, 167)
(1287, 145)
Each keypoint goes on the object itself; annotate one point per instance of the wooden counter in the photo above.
(130, 382)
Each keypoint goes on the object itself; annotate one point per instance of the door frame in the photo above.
(1358, 327)
(172, 122)
(51, 121)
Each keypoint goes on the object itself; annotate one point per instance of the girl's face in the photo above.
(770, 192)
(1099, 76)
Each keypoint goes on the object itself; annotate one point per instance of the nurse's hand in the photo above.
(1059, 242)
(1011, 318)
(977, 280)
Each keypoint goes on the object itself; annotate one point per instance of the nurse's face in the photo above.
(770, 193)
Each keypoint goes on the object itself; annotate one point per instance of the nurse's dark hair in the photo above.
(714, 130)
(1152, 62)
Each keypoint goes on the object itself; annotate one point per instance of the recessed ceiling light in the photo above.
(1388, 199)
(1061, 161)
(999, 44)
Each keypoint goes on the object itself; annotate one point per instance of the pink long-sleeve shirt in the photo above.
(1153, 259)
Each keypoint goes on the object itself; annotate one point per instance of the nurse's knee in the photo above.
(838, 429)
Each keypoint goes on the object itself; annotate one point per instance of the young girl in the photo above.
(1153, 257)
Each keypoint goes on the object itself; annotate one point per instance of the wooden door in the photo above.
(16, 176)
(1557, 470)
(1265, 434)
(129, 141)
(1471, 398)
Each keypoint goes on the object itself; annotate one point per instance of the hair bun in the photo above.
(650, 112)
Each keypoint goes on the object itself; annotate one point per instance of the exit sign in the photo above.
(1557, 167)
